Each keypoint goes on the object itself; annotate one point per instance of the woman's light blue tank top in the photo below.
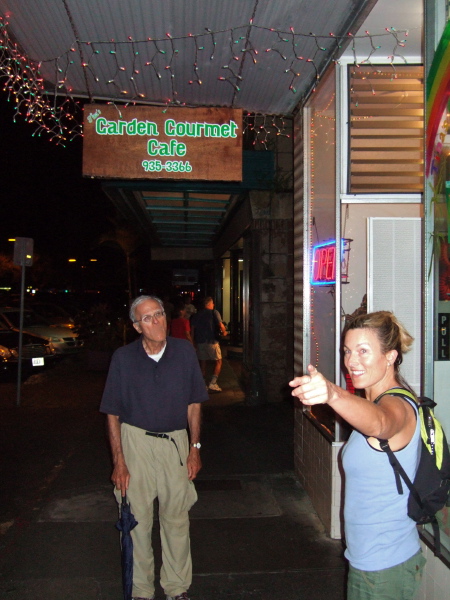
(379, 534)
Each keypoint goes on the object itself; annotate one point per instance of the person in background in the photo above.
(382, 541)
(180, 326)
(205, 327)
(190, 308)
(168, 309)
(154, 389)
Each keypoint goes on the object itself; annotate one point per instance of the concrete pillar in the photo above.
(272, 291)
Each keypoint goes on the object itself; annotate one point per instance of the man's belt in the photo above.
(164, 436)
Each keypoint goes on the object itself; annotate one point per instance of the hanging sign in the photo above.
(140, 142)
(323, 264)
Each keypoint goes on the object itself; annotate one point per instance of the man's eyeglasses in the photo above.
(149, 318)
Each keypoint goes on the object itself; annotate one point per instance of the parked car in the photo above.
(62, 340)
(36, 351)
(52, 313)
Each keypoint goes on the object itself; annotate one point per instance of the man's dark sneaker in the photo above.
(182, 596)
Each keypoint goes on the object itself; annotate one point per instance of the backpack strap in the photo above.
(437, 536)
(431, 430)
(405, 394)
(400, 472)
(384, 445)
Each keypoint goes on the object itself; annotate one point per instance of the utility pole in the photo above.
(23, 257)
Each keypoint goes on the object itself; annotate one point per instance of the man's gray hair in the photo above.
(141, 299)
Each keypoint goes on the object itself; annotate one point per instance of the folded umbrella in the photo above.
(125, 524)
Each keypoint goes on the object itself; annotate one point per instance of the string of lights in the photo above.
(312, 226)
(55, 109)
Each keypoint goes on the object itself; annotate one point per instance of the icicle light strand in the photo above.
(126, 65)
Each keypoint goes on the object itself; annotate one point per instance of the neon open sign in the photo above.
(323, 271)
(324, 264)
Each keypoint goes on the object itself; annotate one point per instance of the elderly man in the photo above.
(153, 391)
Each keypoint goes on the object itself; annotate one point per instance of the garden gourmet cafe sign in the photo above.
(141, 142)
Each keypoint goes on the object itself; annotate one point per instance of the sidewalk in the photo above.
(254, 532)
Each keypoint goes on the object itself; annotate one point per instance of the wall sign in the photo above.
(140, 142)
(323, 265)
(443, 341)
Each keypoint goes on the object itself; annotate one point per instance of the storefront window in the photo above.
(437, 272)
(440, 177)
(232, 292)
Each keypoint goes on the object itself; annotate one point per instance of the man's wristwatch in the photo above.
(197, 445)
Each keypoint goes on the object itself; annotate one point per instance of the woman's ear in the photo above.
(392, 356)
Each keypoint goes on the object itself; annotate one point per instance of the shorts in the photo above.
(401, 582)
(209, 351)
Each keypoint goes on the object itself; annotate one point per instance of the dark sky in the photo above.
(43, 194)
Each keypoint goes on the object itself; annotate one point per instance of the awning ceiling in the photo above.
(258, 55)
(186, 219)
(181, 218)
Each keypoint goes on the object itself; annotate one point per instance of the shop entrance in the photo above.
(232, 293)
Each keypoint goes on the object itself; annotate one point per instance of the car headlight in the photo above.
(5, 352)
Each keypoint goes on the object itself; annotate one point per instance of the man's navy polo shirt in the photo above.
(154, 395)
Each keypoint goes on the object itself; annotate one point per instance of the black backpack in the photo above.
(430, 491)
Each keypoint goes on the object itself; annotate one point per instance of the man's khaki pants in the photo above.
(156, 472)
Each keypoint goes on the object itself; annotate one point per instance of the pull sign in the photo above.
(443, 337)
(23, 252)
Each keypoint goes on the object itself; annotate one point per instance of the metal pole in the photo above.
(19, 364)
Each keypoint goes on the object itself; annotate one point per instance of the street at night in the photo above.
(211, 214)
(57, 512)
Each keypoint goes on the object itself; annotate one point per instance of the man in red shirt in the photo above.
(180, 326)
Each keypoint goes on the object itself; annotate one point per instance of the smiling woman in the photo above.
(366, 363)
(382, 541)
